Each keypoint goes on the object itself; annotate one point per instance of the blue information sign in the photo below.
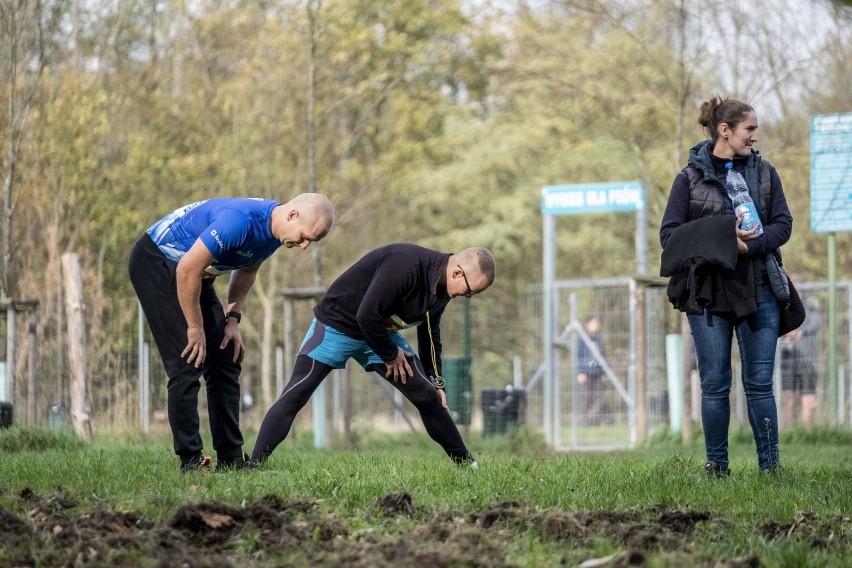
(831, 173)
(592, 198)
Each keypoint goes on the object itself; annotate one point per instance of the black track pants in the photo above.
(307, 376)
(153, 278)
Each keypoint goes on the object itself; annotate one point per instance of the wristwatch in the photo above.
(236, 315)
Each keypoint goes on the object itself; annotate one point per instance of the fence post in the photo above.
(641, 399)
(686, 334)
(674, 368)
(31, 371)
(143, 376)
(10, 353)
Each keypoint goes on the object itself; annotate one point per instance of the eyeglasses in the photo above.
(470, 291)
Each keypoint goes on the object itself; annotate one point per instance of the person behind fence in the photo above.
(798, 364)
(718, 275)
(393, 287)
(172, 268)
(590, 375)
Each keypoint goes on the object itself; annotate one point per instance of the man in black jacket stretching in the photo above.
(393, 287)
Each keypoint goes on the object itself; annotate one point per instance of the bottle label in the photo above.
(750, 217)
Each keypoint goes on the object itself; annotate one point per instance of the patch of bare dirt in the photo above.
(392, 532)
(664, 530)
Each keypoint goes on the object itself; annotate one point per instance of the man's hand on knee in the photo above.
(399, 369)
(443, 396)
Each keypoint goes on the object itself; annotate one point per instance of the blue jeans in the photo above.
(757, 336)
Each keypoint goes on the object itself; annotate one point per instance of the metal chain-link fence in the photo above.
(493, 357)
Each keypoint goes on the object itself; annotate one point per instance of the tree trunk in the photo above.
(75, 308)
(313, 16)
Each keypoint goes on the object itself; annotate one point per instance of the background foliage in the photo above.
(433, 121)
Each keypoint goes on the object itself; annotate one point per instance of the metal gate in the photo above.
(631, 395)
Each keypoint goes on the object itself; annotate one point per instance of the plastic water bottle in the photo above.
(743, 204)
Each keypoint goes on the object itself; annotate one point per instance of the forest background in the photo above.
(430, 121)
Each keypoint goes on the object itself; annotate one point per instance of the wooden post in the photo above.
(32, 418)
(10, 352)
(13, 308)
(348, 438)
(75, 308)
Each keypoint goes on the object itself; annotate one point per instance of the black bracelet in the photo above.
(236, 315)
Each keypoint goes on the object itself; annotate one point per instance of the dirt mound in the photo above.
(661, 529)
(808, 528)
(395, 504)
(12, 525)
(47, 505)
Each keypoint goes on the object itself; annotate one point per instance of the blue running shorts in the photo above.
(327, 345)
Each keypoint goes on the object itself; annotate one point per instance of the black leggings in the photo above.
(307, 375)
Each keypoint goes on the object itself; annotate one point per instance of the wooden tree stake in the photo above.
(75, 311)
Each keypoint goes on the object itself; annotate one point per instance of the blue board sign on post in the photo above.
(831, 173)
(831, 212)
(578, 199)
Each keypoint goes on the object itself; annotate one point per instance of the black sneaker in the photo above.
(466, 462)
(197, 464)
(250, 464)
(713, 469)
(243, 463)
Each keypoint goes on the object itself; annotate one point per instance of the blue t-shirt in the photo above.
(236, 231)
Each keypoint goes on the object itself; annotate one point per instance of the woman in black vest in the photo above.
(734, 298)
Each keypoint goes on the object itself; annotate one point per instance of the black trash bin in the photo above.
(501, 410)
(6, 414)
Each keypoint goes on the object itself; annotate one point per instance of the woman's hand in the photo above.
(743, 236)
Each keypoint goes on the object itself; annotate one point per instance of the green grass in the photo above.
(812, 494)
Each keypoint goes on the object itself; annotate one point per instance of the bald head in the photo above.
(306, 218)
(315, 208)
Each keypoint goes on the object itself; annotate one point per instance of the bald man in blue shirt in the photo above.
(172, 268)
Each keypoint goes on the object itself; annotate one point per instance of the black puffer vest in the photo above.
(707, 196)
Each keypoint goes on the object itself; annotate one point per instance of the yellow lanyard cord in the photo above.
(432, 343)
(437, 380)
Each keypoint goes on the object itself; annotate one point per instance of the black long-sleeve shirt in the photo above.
(390, 288)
